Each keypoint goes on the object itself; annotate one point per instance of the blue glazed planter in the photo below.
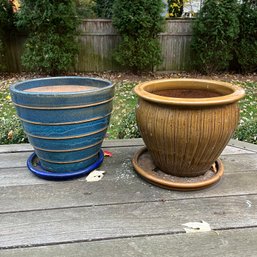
(65, 119)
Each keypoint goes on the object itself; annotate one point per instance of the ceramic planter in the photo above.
(186, 123)
(65, 119)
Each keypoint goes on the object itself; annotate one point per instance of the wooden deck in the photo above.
(122, 215)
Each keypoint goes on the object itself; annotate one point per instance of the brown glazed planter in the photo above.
(186, 123)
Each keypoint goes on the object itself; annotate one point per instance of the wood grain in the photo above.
(233, 147)
(223, 243)
(122, 215)
(126, 220)
(117, 187)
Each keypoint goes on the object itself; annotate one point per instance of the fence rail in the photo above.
(98, 39)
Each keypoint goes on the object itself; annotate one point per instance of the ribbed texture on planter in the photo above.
(186, 136)
(66, 127)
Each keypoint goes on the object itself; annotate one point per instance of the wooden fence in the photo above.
(98, 40)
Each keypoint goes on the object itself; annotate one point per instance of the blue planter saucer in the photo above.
(34, 166)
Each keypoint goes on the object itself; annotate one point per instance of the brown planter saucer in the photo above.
(145, 167)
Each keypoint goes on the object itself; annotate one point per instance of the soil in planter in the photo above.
(60, 88)
(187, 93)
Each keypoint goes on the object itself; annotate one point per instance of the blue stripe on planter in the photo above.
(70, 137)
(64, 144)
(64, 116)
(65, 130)
(68, 157)
(55, 167)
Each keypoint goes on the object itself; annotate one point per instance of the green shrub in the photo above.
(104, 8)
(215, 32)
(2, 57)
(11, 131)
(139, 23)
(128, 127)
(175, 8)
(247, 132)
(52, 25)
(86, 9)
(7, 30)
(247, 46)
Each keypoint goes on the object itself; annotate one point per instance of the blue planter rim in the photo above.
(40, 172)
(15, 87)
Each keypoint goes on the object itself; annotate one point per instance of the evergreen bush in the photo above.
(246, 51)
(51, 46)
(104, 8)
(138, 22)
(7, 30)
(215, 32)
(175, 8)
(86, 9)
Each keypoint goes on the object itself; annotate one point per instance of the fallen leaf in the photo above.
(95, 175)
(107, 153)
(10, 135)
(214, 168)
(193, 227)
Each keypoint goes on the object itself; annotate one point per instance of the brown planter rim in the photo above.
(230, 93)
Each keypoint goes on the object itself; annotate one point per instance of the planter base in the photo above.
(34, 166)
(145, 167)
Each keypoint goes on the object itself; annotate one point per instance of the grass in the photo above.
(124, 102)
(124, 105)
(247, 129)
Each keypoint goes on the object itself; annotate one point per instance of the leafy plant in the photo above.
(139, 23)
(2, 56)
(247, 129)
(124, 102)
(175, 8)
(86, 8)
(52, 25)
(11, 131)
(246, 50)
(104, 8)
(247, 132)
(128, 127)
(215, 32)
(7, 29)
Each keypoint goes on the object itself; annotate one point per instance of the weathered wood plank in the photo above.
(106, 143)
(15, 148)
(233, 147)
(13, 165)
(234, 162)
(114, 221)
(114, 188)
(227, 243)
(243, 145)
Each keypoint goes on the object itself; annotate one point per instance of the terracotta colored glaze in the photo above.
(145, 167)
(60, 88)
(185, 136)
